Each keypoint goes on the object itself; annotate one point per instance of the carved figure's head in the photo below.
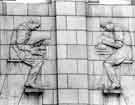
(108, 26)
(32, 25)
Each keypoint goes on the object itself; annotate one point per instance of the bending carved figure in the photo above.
(29, 49)
(119, 41)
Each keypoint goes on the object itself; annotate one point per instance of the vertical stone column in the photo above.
(72, 52)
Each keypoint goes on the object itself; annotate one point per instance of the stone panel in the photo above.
(80, 8)
(68, 96)
(83, 96)
(77, 81)
(67, 66)
(76, 51)
(62, 51)
(62, 81)
(16, 9)
(48, 23)
(38, 9)
(99, 10)
(61, 22)
(65, 8)
(6, 22)
(122, 11)
(78, 23)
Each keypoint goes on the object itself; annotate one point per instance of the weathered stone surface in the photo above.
(49, 97)
(83, 96)
(74, 22)
(38, 9)
(95, 95)
(66, 37)
(51, 52)
(132, 24)
(1, 10)
(67, 66)
(62, 51)
(82, 66)
(16, 9)
(77, 81)
(96, 81)
(76, 51)
(6, 22)
(81, 8)
(48, 23)
(62, 81)
(68, 96)
(99, 10)
(93, 24)
(61, 22)
(65, 8)
(125, 11)
(81, 37)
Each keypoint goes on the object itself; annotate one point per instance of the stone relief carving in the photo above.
(119, 42)
(29, 49)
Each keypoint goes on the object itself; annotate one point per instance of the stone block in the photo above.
(51, 52)
(77, 81)
(78, 23)
(82, 66)
(38, 9)
(62, 81)
(80, 8)
(132, 24)
(66, 37)
(5, 37)
(4, 51)
(1, 10)
(81, 37)
(96, 81)
(98, 67)
(52, 9)
(21, 19)
(61, 22)
(95, 97)
(90, 38)
(123, 22)
(16, 9)
(48, 97)
(76, 51)
(15, 84)
(49, 67)
(68, 96)
(125, 11)
(99, 10)
(62, 51)
(127, 69)
(48, 81)
(112, 100)
(47, 23)
(6, 22)
(67, 66)
(93, 24)
(83, 96)
(65, 8)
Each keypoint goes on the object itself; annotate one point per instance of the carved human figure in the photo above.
(30, 49)
(119, 42)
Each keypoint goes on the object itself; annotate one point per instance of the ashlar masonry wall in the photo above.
(13, 76)
(73, 72)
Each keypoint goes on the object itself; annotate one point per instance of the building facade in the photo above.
(73, 72)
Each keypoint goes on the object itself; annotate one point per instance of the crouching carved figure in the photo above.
(119, 42)
(29, 49)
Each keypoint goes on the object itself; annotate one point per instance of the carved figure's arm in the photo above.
(116, 44)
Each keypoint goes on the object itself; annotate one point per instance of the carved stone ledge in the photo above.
(33, 91)
(112, 91)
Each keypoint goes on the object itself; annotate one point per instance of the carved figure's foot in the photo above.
(115, 86)
(33, 85)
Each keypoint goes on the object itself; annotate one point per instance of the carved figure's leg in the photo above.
(111, 73)
(31, 82)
